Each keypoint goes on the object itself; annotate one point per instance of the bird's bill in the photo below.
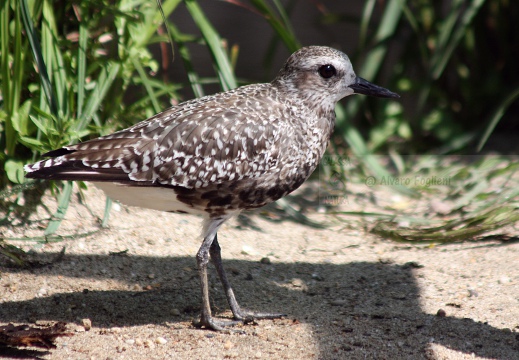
(362, 86)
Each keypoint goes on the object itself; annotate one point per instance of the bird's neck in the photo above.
(314, 100)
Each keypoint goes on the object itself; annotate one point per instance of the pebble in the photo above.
(228, 345)
(139, 342)
(43, 323)
(473, 293)
(297, 282)
(412, 265)
(317, 277)
(338, 302)
(130, 341)
(504, 280)
(441, 313)
(160, 340)
(248, 250)
(175, 312)
(87, 324)
(42, 292)
(399, 296)
(265, 261)
(440, 207)
(149, 344)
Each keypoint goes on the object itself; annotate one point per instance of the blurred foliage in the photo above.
(84, 69)
(71, 71)
(74, 70)
(454, 64)
(463, 198)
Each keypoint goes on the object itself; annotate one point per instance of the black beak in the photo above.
(364, 87)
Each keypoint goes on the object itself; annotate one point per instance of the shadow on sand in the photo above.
(356, 309)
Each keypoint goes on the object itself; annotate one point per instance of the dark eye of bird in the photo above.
(327, 71)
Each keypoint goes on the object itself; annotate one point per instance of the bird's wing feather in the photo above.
(189, 145)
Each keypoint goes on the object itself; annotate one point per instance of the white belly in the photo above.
(155, 198)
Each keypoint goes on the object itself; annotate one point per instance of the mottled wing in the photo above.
(200, 142)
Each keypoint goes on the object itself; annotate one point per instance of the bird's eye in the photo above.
(327, 71)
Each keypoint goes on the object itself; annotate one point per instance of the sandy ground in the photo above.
(347, 293)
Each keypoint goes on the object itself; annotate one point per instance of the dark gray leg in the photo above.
(239, 314)
(206, 319)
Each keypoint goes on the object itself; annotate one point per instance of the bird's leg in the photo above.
(202, 259)
(239, 314)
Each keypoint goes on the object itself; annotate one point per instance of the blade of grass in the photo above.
(54, 62)
(370, 68)
(38, 57)
(63, 203)
(147, 85)
(446, 30)
(95, 98)
(8, 102)
(374, 59)
(214, 43)
(496, 116)
(54, 238)
(364, 23)
(471, 228)
(440, 61)
(12, 252)
(16, 85)
(171, 5)
(269, 57)
(106, 215)
(185, 55)
(282, 27)
(81, 68)
(360, 150)
(391, 217)
(412, 20)
(449, 38)
(387, 27)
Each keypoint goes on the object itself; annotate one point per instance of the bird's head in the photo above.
(325, 75)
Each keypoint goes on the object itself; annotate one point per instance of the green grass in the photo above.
(462, 198)
(85, 69)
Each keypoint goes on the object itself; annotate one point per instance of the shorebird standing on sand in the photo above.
(221, 154)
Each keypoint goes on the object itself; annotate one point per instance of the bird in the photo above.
(220, 154)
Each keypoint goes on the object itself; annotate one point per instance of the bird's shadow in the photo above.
(357, 310)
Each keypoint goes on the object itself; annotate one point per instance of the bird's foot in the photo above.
(248, 316)
(241, 317)
(210, 323)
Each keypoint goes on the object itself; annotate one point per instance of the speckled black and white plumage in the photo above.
(223, 153)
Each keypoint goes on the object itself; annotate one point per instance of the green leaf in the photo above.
(43, 127)
(14, 171)
(31, 143)
(21, 119)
